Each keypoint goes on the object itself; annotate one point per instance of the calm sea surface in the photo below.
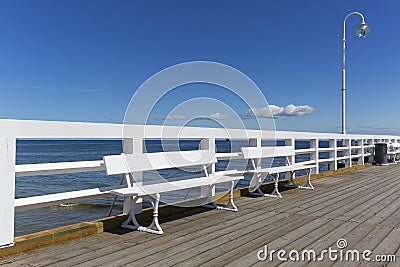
(45, 151)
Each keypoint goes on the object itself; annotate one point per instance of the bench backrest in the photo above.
(127, 163)
(267, 152)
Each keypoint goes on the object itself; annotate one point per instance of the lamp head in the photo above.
(363, 30)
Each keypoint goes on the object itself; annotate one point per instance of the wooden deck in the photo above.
(362, 206)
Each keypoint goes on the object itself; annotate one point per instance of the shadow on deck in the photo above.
(363, 207)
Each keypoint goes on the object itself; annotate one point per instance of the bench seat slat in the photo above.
(267, 152)
(280, 169)
(172, 186)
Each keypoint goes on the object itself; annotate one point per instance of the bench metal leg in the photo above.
(230, 206)
(256, 191)
(154, 227)
(275, 193)
(291, 183)
(308, 184)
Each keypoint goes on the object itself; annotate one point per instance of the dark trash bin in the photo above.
(381, 156)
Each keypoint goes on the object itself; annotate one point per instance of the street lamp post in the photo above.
(362, 31)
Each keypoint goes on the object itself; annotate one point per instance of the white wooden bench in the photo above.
(130, 164)
(255, 154)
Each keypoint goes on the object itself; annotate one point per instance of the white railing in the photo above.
(355, 147)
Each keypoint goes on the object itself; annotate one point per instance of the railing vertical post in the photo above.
(374, 141)
(208, 144)
(292, 158)
(333, 154)
(361, 159)
(347, 144)
(256, 142)
(7, 190)
(372, 150)
(133, 146)
(315, 155)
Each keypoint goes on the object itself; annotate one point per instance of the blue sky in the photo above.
(83, 60)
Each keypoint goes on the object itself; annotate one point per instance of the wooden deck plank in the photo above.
(201, 236)
(304, 241)
(239, 250)
(95, 252)
(180, 231)
(361, 206)
(249, 260)
(342, 227)
(396, 262)
(160, 247)
(247, 245)
(355, 236)
(61, 250)
(333, 196)
(387, 246)
(169, 251)
(138, 238)
(359, 197)
(380, 239)
(168, 223)
(282, 226)
(157, 244)
(303, 244)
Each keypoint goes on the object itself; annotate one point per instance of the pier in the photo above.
(358, 203)
(360, 206)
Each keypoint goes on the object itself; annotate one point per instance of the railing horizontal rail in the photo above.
(326, 149)
(342, 148)
(227, 156)
(26, 129)
(326, 160)
(61, 198)
(304, 151)
(308, 162)
(58, 168)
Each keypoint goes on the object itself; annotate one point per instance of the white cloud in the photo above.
(292, 110)
(265, 112)
(176, 117)
(219, 116)
(278, 112)
(171, 117)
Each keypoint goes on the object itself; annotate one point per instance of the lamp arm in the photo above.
(345, 19)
